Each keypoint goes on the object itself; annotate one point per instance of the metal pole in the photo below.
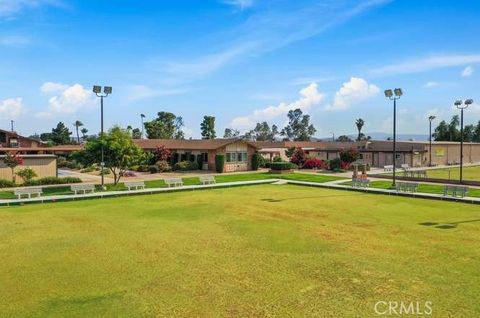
(141, 137)
(430, 145)
(102, 164)
(461, 146)
(394, 140)
(333, 137)
(11, 122)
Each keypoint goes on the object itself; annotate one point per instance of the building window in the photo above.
(236, 157)
(230, 157)
(13, 143)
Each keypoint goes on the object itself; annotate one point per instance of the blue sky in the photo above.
(242, 61)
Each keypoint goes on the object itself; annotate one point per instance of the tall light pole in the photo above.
(430, 119)
(107, 90)
(142, 116)
(333, 136)
(462, 106)
(390, 95)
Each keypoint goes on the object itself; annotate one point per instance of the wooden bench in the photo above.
(406, 187)
(28, 192)
(453, 190)
(388, 168)
(360, 183)
(207, 180)
(82, 188)
(134, 185)
(174, 182)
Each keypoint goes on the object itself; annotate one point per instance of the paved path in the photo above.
(329, 185)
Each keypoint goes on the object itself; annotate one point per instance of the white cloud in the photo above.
(241, 4)
(355, 91)
(309, 97)
(12, 7)
(426, 64)
(467, 71)
(138, 92)
(49, 87)
(431, 84)
(11, 108)
(68, 99)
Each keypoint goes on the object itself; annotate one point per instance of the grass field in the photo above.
(469, 173)
(270, 250)
(63, 190)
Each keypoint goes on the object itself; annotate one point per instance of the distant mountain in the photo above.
(383, 136)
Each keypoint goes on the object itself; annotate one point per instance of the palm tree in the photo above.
(359, 123)
(77, 124)
(84, 132)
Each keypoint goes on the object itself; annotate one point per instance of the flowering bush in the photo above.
(349, 155)
(315, 163)
(298, 156)
(345, 165)
(162, 154)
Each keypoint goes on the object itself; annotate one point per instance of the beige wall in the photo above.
(44, 166)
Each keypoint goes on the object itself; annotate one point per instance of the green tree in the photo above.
(60, 135)
(468, 133)
(344, 138)
(136, 133)
(165, 126)
(26, 174)
(208, 127)
(360, 123)
(231, 133)
(119, 149)
(453, 132)
(263, 132)
(12, 161)
(84, 132)
(77, 125)
(476, 133)
(441, 132)
(299, 127)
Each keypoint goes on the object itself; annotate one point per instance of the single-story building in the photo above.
(238, 152)
(43, 165)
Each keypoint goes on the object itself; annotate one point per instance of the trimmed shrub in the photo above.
(219, 163)
(280, 166)
(335, 164)
(163, 166)
(143, 168)
(6, 183)
(88, 169)
(256, 161)
(185, 166)
(53, 180)
(350, 155)
(315, 163)
(200, 161)
(277, 159)
(153, 169)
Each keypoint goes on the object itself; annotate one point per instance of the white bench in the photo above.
(388, 168)
(174, 182)
(82, 188)
(452, 190)
(136, 185)
(28, 192)
(207, 180)
(405, 166)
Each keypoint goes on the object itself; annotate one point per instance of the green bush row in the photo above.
(282, 166)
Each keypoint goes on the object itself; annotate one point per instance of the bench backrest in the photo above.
(207, 178)
(388, 167)
(28, 190)
(173, 180)
(135, 184)
(87, 186)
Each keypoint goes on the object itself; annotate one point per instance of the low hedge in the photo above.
(6, 183)
(52, 180)
(186, 166)
(282, 166)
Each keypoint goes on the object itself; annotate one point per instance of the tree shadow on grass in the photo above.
(447, 226)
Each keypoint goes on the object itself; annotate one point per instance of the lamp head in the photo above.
(432, 117)
(469, 102)
(398, 92)
(107, 90)
(388, 93)
(97, 89)
(142, 115)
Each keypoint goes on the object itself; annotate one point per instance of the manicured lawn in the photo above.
(63, 190)
(469, 173)
(256, 251)
(422, 187)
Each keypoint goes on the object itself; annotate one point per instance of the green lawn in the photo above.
(422, 187)
(469, 173)
(63, 190)
(269, 250)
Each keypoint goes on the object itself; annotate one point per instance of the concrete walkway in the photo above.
(328, 185)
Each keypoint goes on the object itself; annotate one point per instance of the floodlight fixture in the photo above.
(97, 89)
(431, 118)
(107, 90)
(388, 93)
(469, 102)
(398, 92)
